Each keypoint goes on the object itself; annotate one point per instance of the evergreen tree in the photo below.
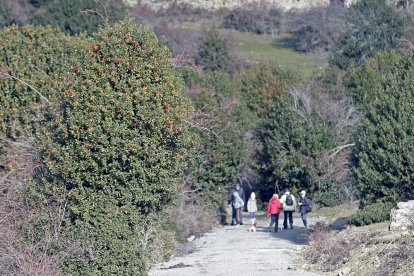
(371, 26)
(213, 53)
(384, 168)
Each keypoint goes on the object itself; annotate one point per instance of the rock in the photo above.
(344, 271)
(402, 217)
(190, 239)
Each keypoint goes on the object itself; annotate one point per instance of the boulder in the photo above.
(402, 217)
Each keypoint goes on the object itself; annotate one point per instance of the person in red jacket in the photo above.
(273, 210)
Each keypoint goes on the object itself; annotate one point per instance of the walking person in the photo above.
(238, 204)
(289, 206)
(304, 204)
(230, 200)
(252, 209)
(240, 191)
(273, 210)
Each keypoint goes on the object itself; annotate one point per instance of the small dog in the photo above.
(252, 225)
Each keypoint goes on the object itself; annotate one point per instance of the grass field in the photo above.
(266, 48)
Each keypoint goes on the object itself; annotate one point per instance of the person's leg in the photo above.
(241, 216)
(272, 220)
(305, 219)
(237, 215)
(285, 217)
(276, 222)
(233, 215)
(291, 219)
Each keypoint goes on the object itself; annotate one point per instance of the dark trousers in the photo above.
(287, 214)
(274, 219)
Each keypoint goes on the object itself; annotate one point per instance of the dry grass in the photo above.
(364, 250)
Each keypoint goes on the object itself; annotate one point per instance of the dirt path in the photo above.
(232, 250)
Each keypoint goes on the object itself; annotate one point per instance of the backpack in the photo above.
(289, 200)
(309, 207)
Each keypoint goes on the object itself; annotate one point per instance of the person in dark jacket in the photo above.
(303, 206)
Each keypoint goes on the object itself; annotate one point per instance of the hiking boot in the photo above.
(291, 227)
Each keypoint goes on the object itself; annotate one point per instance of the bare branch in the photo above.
(25, 83)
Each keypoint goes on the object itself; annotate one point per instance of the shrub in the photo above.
(214, 54)
(377, 212)
(77, 16)
(384, 144)
(254, 18)
(316, 29)
(115, 147)
(222, 148)
(362, 82)
(34, 60)
(371, 26)
(326, 248)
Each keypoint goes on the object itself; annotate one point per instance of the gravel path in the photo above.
(233, 250)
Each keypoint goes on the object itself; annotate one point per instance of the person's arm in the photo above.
(305, 202)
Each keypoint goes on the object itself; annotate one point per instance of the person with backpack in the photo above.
(252, 209)
(305, 206)
(240, 191)
(289, 206)
(273, 210)
(238, 204)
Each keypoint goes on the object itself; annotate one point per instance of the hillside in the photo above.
(230, 4)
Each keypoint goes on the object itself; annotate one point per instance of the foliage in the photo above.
(222, 145)
(254, 18)
(371, 26)
(34, 60)
(289, 148)
(316, 29)
(384, 145)
(115, 147)
(362, 82)
(374, 213)
(76, 16)
(14, 12)
(260, 86)
(213, 53)
(70, 16)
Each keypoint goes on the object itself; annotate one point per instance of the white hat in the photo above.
(253, 195)
(303, 192)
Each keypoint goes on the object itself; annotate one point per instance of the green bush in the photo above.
(362, 82)
(254, 18)
(222, 146)
(115, 147)
(289, 146)
(384, 147)
(214, 54)
(371, 26)
(72, 16)
(374, 213)
(33, 62)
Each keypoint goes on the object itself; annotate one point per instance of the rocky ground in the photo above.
(233, 250)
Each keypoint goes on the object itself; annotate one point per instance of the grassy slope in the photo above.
(266, 48)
